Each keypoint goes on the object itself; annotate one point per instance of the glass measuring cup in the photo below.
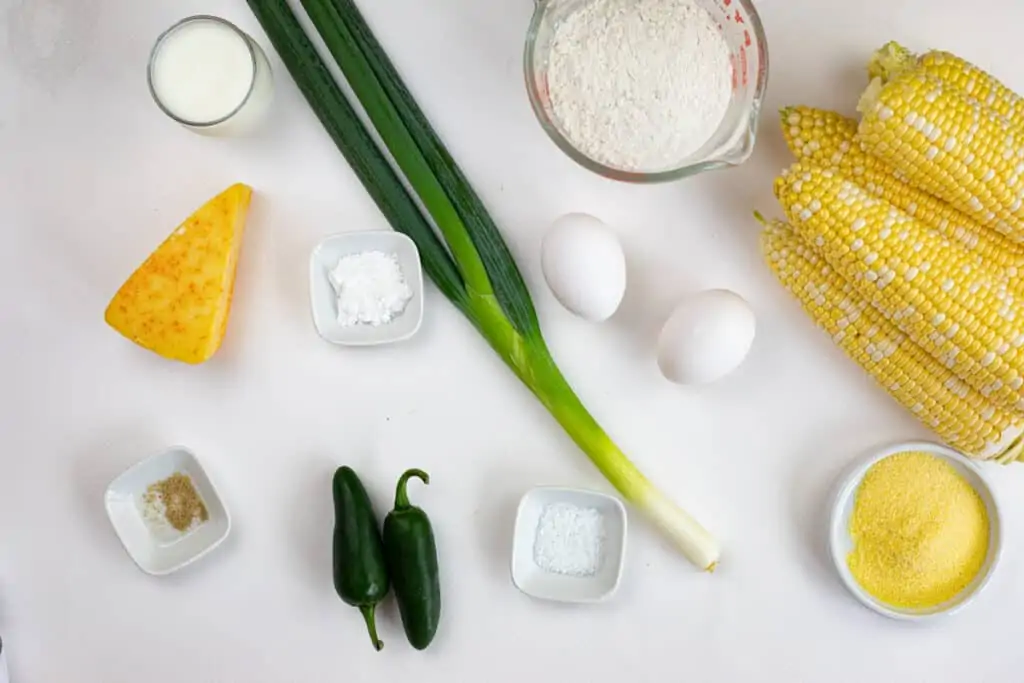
(732, 142)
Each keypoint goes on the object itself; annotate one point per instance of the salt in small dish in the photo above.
(324, 300)
(534, 581)
(159, 550)
(841, 543)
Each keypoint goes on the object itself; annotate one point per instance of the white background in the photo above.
(92, 177)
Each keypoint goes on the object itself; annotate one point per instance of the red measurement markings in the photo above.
(544, 93)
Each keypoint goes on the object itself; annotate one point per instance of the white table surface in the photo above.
(92, 177)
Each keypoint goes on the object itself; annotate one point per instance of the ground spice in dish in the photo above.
(920, 531)
(180, 502)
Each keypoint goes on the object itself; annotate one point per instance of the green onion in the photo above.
(472, 267)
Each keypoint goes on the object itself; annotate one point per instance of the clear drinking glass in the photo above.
(243, 117)
(730, 145)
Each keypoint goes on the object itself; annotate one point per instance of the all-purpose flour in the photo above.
(639, 84)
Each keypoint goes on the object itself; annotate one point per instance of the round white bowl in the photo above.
(841, 542)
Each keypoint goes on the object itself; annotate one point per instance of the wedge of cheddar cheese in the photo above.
(177, 303)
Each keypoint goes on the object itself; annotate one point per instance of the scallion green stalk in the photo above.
(473, 267)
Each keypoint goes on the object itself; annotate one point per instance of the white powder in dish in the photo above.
(370, 287)
(570, 540)
(639, 85)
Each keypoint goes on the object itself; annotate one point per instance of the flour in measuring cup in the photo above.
(639, 84)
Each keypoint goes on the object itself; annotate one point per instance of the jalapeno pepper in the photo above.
(360, 572)
(411, 555)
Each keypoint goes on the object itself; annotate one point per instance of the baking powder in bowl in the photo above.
(639, 85)
(371, 288)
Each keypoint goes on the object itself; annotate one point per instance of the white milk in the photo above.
(210, 77)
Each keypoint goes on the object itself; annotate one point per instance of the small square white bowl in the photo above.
(841, 543)
(160, 549)
(534, 581)
(324, 299)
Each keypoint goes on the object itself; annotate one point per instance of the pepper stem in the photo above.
(401, 498)
(371, 626)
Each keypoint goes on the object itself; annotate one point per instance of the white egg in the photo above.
(707, 336)
(584, 266)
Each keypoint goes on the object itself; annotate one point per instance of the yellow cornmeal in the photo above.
(920, 531)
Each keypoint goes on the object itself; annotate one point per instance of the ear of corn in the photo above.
(949, 145)
(893, 59)
(936, 396)
(905, 241)
(953, 307)
(829, 140)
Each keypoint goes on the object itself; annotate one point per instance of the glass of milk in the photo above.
(209, 76)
